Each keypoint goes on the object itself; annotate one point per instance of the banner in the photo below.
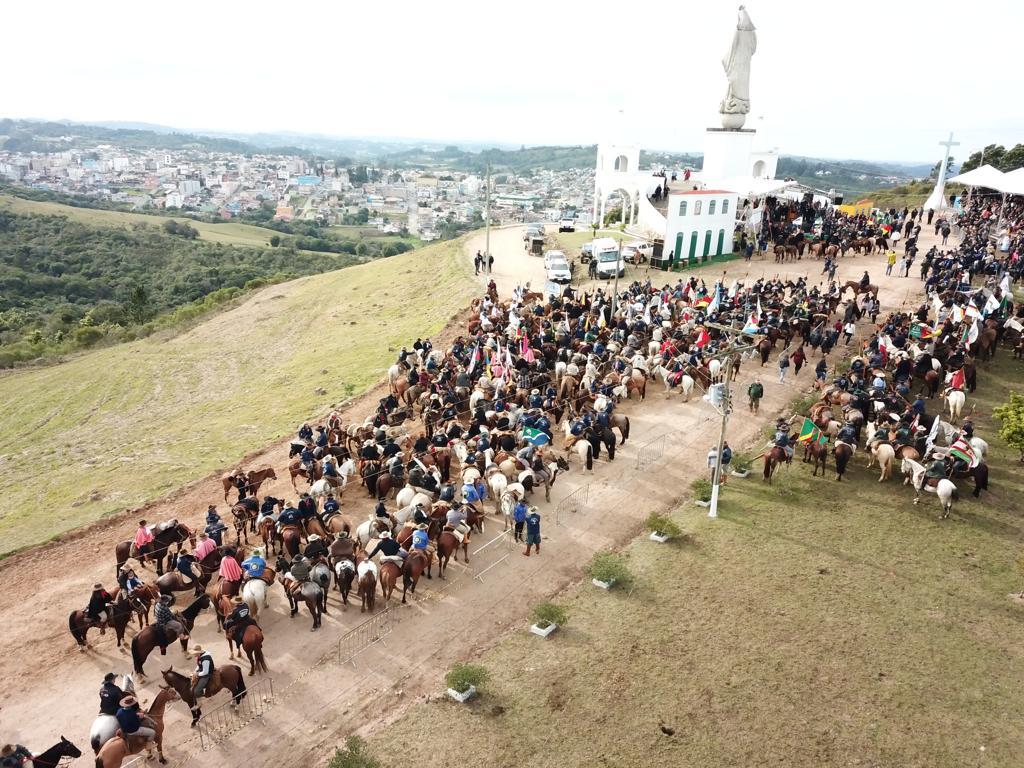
(535, 436)
(810, 433)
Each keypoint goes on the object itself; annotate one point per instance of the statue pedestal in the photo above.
(727, 153)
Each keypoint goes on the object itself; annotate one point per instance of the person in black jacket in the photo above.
(110, 695)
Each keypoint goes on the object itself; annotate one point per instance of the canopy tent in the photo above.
(985, 176)
(1013, 182)
(750, 186)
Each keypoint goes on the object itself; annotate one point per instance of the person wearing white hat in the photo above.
(315, 548)
(203, 671)
(389, 549)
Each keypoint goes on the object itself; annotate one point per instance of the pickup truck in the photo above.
(567, 224)
(637, 252)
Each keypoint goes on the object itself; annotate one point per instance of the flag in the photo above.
(535, 436)
(937, 306)
(932, 433)
(733, 288)
(752, 327)
(713, 306)
(972, 311)
(702, 302)
(474, 359)
(961, 449)
(759, 307)
(992, 305)
(703, 338)
(957, 314)
(811, 434)
(970, 333)
(957, 382)
(921, 331)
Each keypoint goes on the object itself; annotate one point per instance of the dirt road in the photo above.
(50, 688)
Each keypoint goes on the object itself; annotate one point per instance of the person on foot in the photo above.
(532, 531)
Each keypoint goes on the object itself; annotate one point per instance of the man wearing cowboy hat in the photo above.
(129, 720)
(254, 565)
(203, 671)
(342, 548)
(165, 620)
(238, 619)
(110, 695)
(14, 755)
(389, 549)
(315, 548)
(421, 540)
(97, 611)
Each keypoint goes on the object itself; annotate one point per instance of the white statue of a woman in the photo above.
(737, 70)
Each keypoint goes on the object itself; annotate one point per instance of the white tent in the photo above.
(1013, 182)
(985, 176)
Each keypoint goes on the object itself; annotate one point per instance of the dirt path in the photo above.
(51, 688)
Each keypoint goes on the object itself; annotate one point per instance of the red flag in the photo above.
(703, 339)
(957, 382)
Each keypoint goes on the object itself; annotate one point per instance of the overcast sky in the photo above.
(872, 80)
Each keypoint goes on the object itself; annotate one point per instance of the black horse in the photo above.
(56, 753)
(596, 435)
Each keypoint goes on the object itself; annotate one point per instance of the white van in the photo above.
(609, 260)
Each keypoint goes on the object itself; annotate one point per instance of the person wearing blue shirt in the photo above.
(130, 722)
(532, 531)
(331, 505)
(519, 519)
(254, 565)
(215, 526)
(289, 516)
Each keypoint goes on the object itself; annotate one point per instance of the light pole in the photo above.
(487, 219)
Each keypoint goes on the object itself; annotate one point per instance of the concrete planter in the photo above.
(463, 697)
(545, 631)
(602, 584)
(701, 503)
(744, 473)
(655, 536)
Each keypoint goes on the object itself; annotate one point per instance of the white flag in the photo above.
(1004, 286)
(992, 305)
(972, 333)
(932, 434)
(957, 314)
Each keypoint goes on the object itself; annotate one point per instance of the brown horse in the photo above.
(174, 581)
(448, 543)
(150, 638)
(245, 513)
(416, 563)
(291, 539)
(164, 537)
(228, 677)
(258, 477)
(818, 453)
(295, 470)
(367, 590)
(268, 532)
(389, 573)
(113, 753)
(252, 644)
(120, 612)
(842, 453)
(772, 460)
(857, 290)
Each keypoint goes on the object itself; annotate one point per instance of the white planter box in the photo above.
(703, 503)
(545, 631)
(744, 473)
(463, 697)
(655, 536)
(603, 584)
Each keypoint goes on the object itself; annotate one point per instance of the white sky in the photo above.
(872, 80)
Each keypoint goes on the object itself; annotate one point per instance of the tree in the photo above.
(1011, 418)
(136, 308)
(275, 240)
(949, 168)
(354, 755)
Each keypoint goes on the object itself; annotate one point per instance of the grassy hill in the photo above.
(813, 624)
(114, 428)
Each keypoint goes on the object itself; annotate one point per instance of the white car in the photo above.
(550, 256)
(637, 252)
(559, 271)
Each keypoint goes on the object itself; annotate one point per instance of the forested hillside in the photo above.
(65, 285)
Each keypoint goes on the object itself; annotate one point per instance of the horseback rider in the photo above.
(342, 547)
(421, 539)
(241, 481)
(254, 565)
(305, 432)
(289, 516)
(165, 619)
(307, 462)
(329, 471)
(389, 549)
(128, 581)
(782, 439)
(315, 548)
(110, 695)
(456, 521)
(129, 721)
(144, 541)
(99, 603)
(203, 671)
(307, 507)
(937, 469)
(239, 619)
(331, 505)
(186, 561)
(321, 437)
(215, 526)
(299, 572)
(419, 515)
(847, 435)
(865, 281)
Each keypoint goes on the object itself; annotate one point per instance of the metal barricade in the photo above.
(651, 452)
(362, 636)
(574, 502)
(218, 724)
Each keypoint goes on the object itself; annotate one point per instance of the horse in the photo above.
(245, 513)
(818, 452)
(173, 581)
(344, 575)
(772, 459)
(104, 727)
(291, 539)
(53, 756)
(120, 612)
(389, 573)
(842, 454)
(255, 592)
(165, 536)
(252, 645)
(366, 572)
(295, 470)
(944, 488)
(311, 593)
(448, 543)
(955, 400)
(886, 457)
(113, 752)
(416, 563)
(149, 638)
(228, 677)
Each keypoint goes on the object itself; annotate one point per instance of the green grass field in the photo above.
(115, 428)
(813, 624)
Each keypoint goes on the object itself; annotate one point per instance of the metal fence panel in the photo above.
(216, 725)
(362, 636)
(651, 452)
(574, 502)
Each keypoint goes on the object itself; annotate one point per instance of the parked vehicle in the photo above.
(586, 252)
(637, 252)
(559, 270)
(532, 232)
(550, 256)
(567, 223)
(609, 259)
(536, 245)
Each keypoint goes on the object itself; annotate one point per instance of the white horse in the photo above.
(254, 592)
(955, 400)
(496, 484)
(512, 496)
(886, 456)
(945, 489)
(104, 727)
(410, 497)
(715, 369)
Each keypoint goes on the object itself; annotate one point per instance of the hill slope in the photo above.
(117, 427)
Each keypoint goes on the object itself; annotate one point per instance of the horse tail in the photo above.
(261, 662)
(240, 691)
(99, 762)
(76, 631)
(590, 456)
(136, 655)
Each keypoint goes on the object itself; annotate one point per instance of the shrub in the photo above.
(741, 462)
(701, 488)
(353, 755)
(609, 567)
(545, 614)
(1011, 422)
(461, 676)
(88, 335)
(663, 525)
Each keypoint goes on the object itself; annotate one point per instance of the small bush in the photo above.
(461, 676)
(545, 614)
(663, 525)
(609, 567)
(701, 488)
(353, 755)
(741, 462)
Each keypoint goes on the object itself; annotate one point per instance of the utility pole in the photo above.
(726, 407)
(615, 289)
(487, 218)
